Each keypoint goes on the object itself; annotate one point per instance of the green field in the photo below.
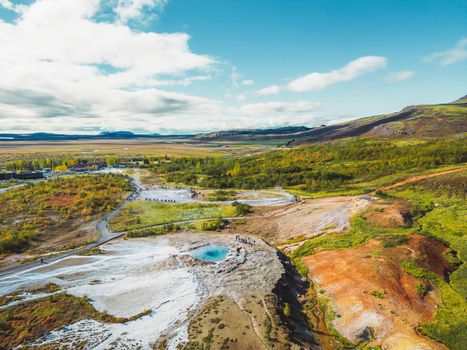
(141, 214)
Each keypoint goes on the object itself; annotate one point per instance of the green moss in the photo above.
(291, 240)
(377, 294)
(444, 219)
(358, 234)
(422, 289)
(451, 315)
(393, 241)
(286, 310)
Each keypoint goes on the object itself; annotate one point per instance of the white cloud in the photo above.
(402, 75)
(270, 90)
(127, 10)
(450, 56)
(61, 66)
(6, 4)
(276, 107)
(353, 69)
(187, 81)
(61, 71)
(248, 82)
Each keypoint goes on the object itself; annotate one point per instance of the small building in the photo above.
(85, 167)
(28, 175)
(6, 176)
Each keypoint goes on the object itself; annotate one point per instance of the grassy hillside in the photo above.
(414, 121)
(426, 121)
(345, 166)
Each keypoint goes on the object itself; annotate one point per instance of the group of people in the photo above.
(194, 193)
(244, 240)
(163, 200)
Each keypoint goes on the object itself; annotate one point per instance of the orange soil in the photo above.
(349, 277)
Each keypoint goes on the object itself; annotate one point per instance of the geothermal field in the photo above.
(156, 278)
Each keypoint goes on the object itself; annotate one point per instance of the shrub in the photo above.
(213, 225)
(422, 289)
(286, 310)
(394, 241)
(242, 209)
(377, 294)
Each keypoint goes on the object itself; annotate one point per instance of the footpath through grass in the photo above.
(141, 214)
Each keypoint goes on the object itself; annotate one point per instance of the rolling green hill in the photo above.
(413, 121)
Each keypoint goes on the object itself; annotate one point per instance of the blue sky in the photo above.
(177, 66)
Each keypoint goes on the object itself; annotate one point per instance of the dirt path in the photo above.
(2, 190)
(254, 325)
(417, 178)
(267, 312)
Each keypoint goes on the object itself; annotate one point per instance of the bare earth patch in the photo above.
(304, 220)
(371, 293)
(388, 214)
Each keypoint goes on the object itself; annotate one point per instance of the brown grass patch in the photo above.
(63, 200)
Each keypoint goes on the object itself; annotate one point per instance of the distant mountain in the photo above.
(249, 134)
(118, 134)
(109, 135)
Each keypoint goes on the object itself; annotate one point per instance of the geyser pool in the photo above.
(211, 252)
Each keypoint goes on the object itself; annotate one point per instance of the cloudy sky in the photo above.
(182, 66)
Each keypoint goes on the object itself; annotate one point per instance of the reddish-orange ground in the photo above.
(367, 287)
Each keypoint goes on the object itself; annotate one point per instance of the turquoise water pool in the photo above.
(211, 252)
